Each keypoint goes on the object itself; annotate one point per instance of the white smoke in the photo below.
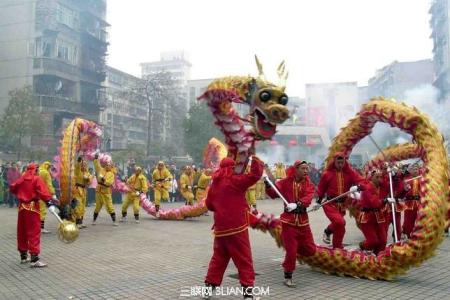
(425, 98)
(272, 154)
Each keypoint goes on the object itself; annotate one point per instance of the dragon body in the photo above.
(427, 234)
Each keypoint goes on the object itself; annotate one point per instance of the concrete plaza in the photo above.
(168, 260)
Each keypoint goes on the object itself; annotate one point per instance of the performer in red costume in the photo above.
(226, 198)
(398, 189)
(412, 200)
(337, 178)
(296, 234)
(372, 218)
(29, 189)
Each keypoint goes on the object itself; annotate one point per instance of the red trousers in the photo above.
(337, 226)
(29, 232)
(447, 219)
(375, 234)
(398, 223)
(236, 247)
(408, 222)
(296, 240)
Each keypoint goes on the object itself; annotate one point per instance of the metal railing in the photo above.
(65, 104)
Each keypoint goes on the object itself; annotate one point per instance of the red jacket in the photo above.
(372, 201)
(412, 197)
(398, 189)
(226, 197)
(334, 182)
(372, 197)
(293, 192)
(30, 187)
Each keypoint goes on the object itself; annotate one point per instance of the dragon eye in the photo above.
(265, 96)
(283, 100)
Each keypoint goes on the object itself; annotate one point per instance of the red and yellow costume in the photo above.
(334, 183)
(296, 233)
(44, 173)
(29, 189)
(226, 198)
(398, 189)
(412, 204)
(372, 219)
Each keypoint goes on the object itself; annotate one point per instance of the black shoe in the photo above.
(208, 291)
(248, 292)
(326, 237)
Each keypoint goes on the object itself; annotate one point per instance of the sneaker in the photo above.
(326, 238)
(79, 226)
(94, 222)
(137, 221)
(208, 291)
(288, 282)
(157, 214)
(115, 224)
(38, 264)
(83, 226)
(25, 260)
(123, 220)
(45, 231)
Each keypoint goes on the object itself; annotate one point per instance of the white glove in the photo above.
(316, 206)
(137, 193)
(407, 187)
(291, 206)
(55, 198)
(390, 200)
(356, 195)
(353, 189)
(53, 209)
(393, 170)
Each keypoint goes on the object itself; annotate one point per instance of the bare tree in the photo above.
(157, 91)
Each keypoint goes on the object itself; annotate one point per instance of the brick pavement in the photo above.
(157, 259)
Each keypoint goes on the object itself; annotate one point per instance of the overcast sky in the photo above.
(321, 40)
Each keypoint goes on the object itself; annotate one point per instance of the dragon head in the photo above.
(267, 103)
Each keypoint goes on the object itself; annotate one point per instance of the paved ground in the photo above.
(164, 259)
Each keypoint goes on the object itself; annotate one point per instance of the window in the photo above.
(66, 16)
(66, 51)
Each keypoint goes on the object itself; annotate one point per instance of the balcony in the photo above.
(93, 76)
(96, 36)
(64, 104)
(53, 66)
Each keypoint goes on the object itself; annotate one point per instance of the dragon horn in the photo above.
(260, 67)
(282, 76)
(280, 69)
